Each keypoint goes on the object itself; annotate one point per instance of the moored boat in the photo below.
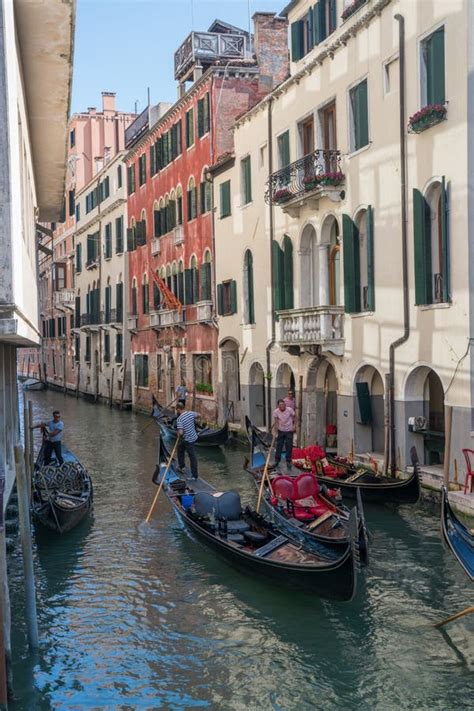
(33, 384)
(207, 437)
(62, 494)
(251, 543)
(457, 536)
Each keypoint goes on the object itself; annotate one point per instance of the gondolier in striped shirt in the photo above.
(186, 426)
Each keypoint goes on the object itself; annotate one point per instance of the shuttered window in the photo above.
(189, 128)
(192, 203)
(141, 370)
(119, 235)
(431, 246)
(297, 40)
(350, 239)
(77, 349)
(145, 298)
(370, 259)
(134, 301)
(152, 160)
(118, 348)
(142, 169)
(227, 298)
(203, 115)
(282, 274)
(156, 296)
(364, 403)
(433, 69)
(78, 258)
(108, 304)
(119, 176)
(108, 241)
(88, 349)
(106, 348)
(246, 176)
(119, 302)
(131, 239)
(249, 312)
(157, 223)
(225, 199)
(77, 312)
(359, 116)
(283, 142)
(206, 282)
(179, 210)
(131, 179)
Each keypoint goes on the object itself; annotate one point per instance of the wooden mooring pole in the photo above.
(448, 419)
(25, 534)
(4, 600)
(123, 383)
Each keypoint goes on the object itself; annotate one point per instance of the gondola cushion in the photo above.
(237, 526)
(283, 487)
(255, 537)
(305, 485)
(225, 504)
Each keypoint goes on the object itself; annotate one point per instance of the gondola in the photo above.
(305, 512)
(248, 541)
(62, 494)
(349, 478)
(457, 536)
(33, 384)
(207, 437)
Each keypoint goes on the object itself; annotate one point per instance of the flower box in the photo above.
(323, 179)
(426, 117)
(353, 7)
(204, 388)
(282, 195)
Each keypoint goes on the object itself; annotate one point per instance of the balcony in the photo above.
(155, 246)
(207, 48)
(306, 182)
(132, 322)
(313, 329)
(109, 316)
(168, 317)
(64, 298)
(92, 320)
(204, 310)
(178, 235)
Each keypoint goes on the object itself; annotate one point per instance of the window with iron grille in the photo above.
(141, 370)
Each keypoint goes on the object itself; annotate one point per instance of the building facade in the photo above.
(350, 172)
(221, 74)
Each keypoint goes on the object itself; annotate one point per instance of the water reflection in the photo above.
(135, 617)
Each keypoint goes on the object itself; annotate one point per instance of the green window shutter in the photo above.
(332, 15)
(220, 299)
(200, 117)
(320, 8)
(188, 286)
(284, 143)
(249, 294)
(204, 282)
(78, 258)
(202, 197)
(152, 160)
(277, 276)
(297, 40)
(119, 302)
(422, 249)
(247, 179)
(370, 259)
(435, 68)
(445, 271)
(364, 402)
(157, 223)
(195, 285)
(225, 199)
(233, 297)
(108, 303)
(361, 128)
(351, 266)
(130, 239)
(206, 113)
(288, 272)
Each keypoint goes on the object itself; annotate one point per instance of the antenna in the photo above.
(136, 106)
(148, 94)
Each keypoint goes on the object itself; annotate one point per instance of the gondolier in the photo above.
(54, 434)
(186, 426)
(284, 421)
(181, 392)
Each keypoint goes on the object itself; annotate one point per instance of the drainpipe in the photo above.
(270, 215)
(403, 195)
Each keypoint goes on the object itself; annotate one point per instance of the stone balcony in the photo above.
(204, 310)
(155, 246)
(166, 317)
(313, 329)
(178, 235)
(132, 323)
(64, 298)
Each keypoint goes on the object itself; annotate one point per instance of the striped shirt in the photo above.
(186, 423)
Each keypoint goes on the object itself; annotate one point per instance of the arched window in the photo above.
(156, 296)
(249, 310)
(309, 287)
(358, 244)
(168, 277)
(283, 274)
(430, 222)
(174, 278)
(191, 282)
(134, 297)
(180, 293)
(179, 205)
(145, 295)
(192, 199)
(206, 278)
(205, 192)
(141, 230)
(172, 211)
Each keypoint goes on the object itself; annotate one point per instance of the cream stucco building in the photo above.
(330, 178)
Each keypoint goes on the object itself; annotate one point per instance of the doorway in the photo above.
(257, 395)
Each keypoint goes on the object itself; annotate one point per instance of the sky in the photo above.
(127, 46)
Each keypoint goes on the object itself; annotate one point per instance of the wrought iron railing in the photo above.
(92, 319)
(319, 169)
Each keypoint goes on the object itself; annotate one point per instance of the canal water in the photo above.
(144, 617)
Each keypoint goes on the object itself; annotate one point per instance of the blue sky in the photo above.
(128, 45)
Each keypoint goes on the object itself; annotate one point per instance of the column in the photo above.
(326, 331)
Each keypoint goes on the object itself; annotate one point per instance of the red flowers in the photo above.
(312, 181)
(421, 119)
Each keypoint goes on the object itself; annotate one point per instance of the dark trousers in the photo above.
(51, 447)
(188, 447)
(284, 439)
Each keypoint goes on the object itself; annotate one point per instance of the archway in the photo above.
(257, 395)
(230, 380)
(369, 426)
(424, 396)
(321, 407)
(285, 380)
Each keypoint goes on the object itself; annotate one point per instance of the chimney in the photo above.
(271, 48)
(91, 110)
(108, 101)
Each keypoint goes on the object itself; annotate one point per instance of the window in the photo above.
(106, 347)
(141, 371)
(142, 169)
(77, 312)
(390, 76)
(108, 241)
(71, 202)
(77, 349)
(433, 69)
(72, 138)
(324, 19)
(202, 372)
(118, 348)
(145, 295)
(205, 193)
(156, 296)
(157, 232)
(283, 144)
(189, 128)
(203, 115)
(134, 299)
(319, 22)
(108, 304)
(246, 179)
(359, 117)
(140, 231)
(249, 309)
(119, 235)
(104, 189)
(191, 283)
(179, 207)
(119, 176)
(60, 277)
(176, 147)
(225, 199)
(152, 154)
(119, 302)
(92, 248)
(180, 291)
(206, 278)
(78, 212)
(431, 237)
(227, 298)
(192, 200)
(88, 349)
(131, 179)
(131, 239)
(283, 274)
(358, 246)
(262, 156)
(159, 371)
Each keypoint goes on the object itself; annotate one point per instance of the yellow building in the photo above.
(362, 155)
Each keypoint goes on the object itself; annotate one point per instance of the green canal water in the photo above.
(135, 617)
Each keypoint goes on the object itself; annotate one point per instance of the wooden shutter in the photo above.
(278, 288)
(225, 199)
(320, 21)
(364, 402)
(370, 259)
(119, 302)
(435, 88)
(78, 258)
(247, 174)
(445, 241)
(202, 190)
(152, 160)
(361, 131)
(332, 15)
(220, 299)
(297, 40)
(204, 282)
(131, 246)
(77, 312)
(157, 223)
(233, 297)
(351, 266)
(206, 113)
(180, 210)
(284, 141)
(200, 117)
(188, 286)
(288, 273)
(422, 238)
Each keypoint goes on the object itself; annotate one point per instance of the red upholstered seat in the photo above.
(305, 485)
(283, 487)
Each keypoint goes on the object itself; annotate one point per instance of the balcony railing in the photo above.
(178, 233)
(155, 246)
(314, 172)
(109, 316)
(207, 48)
(65, 297)
(204, 310)
(313, 326)
(132, 322)
(161, 319)
(92, 319)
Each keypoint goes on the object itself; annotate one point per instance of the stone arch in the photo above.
(424, 397)
(309, 267)
(330, 262)
(284, 381)
(369, 393)
(321, 404)
(256, 395)
(231, 389)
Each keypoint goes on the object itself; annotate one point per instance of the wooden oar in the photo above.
(162, 481)
(467, 611)
(265, 474)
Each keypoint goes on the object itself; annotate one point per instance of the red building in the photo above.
(222, 73)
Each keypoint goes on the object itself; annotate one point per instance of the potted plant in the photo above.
(330, 178)
(204, 388)
(428, 116)
(310, 182)
(281, 195)
(353, 7)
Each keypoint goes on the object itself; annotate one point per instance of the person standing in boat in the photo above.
(53, 431)
(290, 400)
(284, 422)
(181, 392)
(186, 426)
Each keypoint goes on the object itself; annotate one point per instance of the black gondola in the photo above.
(207, 437)
(351, 479)
(62, 494)
(252, 544)
(457, 536)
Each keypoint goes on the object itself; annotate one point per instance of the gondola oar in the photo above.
(265, 474)
(467, 611)
(162, 481)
